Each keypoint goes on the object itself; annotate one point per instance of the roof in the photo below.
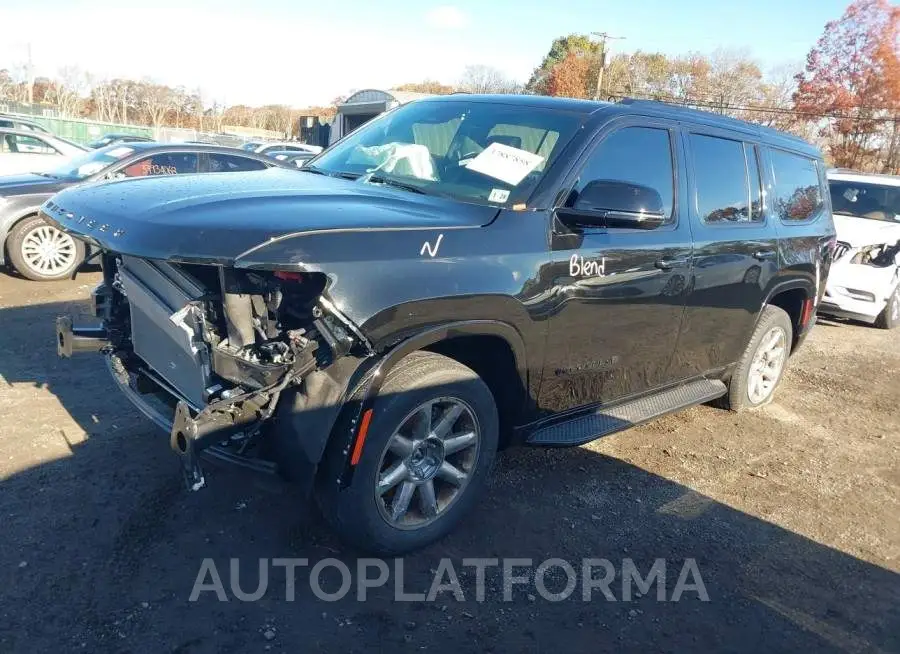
(846, 175)
(536, 101)
(641, 107)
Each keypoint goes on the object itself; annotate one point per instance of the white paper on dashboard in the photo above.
(505, 163)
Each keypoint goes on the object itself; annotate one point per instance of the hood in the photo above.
(30, 184)
(213, 218)
(860, 232)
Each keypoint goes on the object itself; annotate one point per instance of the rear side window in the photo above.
(635, 155)
(227, 163)
(724, 180)
(798, 195)
(175, 163)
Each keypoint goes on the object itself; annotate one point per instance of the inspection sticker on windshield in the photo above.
(505, 163)
(118, 153)
(498, 195)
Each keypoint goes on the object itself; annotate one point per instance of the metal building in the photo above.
(363, 106)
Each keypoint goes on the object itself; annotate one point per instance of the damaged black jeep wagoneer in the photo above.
(458, 274)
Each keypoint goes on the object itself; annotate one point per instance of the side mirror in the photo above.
(614, 204)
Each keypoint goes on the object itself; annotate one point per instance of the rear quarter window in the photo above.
(798, 192)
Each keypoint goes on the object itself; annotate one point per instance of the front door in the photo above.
(619, 288)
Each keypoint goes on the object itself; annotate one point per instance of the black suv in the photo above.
(458, 275)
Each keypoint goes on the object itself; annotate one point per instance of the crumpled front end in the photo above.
(861, 281)
(207, 351)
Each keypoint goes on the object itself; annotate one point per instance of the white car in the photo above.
(33, 152)
(281, 146)
(864, 282)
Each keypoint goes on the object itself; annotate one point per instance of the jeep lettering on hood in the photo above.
(217, 218)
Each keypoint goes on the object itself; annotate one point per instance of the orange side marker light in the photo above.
(361, 437)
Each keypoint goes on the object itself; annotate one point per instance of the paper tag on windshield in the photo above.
(498, 195)
(118, 153)
(505, 163)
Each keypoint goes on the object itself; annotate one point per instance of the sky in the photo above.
(306, 53)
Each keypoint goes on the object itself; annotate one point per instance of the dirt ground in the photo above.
(792, 514)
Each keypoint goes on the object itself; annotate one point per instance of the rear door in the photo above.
(619, 292)
(735, 249)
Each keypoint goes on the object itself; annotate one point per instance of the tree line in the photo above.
(846, 98)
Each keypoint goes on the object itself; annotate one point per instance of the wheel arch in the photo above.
(8, 225)
(791, 297)
(347, 433)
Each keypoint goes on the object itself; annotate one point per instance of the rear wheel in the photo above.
(429, 449)
(42, 253)
(761, 366)
(890, 317)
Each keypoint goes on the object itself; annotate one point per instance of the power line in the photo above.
(604, 37)
(670, 99)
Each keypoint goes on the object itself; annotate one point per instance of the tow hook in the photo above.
(182, 440)
(193, 434)
(70, 339)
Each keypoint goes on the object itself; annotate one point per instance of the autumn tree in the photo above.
(562, 47)
(571, 77)
(853, 75)
(426, 86)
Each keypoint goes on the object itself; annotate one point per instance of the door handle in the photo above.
(764, 255)
(668, 264)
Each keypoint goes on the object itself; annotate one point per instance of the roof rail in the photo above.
(707, 116)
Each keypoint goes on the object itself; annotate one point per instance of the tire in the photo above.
(59, 261)
(359, 513)
(890, 317)
(743, 392)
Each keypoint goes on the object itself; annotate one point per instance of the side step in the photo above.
(605, 421)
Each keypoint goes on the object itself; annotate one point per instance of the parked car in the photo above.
(291, 157)
(282, 146)
(23, 124)
(864, 283)
(39, 251)
(26, 151)
(110, 139)
(459, 274)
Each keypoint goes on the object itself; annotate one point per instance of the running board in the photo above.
(585, 428)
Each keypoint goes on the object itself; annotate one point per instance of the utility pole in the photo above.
(604, 37)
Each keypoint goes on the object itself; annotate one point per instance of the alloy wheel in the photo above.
(427, 463)
(767, 364)
(47, 251)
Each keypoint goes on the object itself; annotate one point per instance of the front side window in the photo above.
(798, 195)
(16, 143)
(723, 176)
(633, 158)
(228, 163)
(169, 163)
(470, 151)
(865, 200)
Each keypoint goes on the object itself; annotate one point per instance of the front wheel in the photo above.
(890, 317)
(761, 366)
(42, 253)
(429, 449)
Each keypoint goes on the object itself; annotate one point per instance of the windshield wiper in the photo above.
(388, 181)
(46, 175)
(319, 171)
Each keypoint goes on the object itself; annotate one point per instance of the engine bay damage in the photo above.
(862, 280)
(210, 350)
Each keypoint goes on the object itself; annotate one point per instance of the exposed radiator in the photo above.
(165, 330)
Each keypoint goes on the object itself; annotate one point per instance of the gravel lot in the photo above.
(792, 514)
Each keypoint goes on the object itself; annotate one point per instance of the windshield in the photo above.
(470, 151)
(865, 200)
(92, 162)
(250, 146)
